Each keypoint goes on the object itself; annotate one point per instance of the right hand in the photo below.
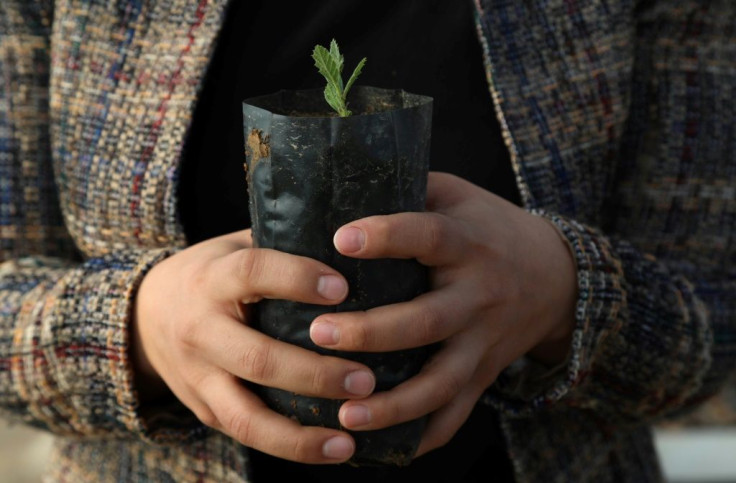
(191, 333)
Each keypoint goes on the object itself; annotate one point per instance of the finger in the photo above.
(429, 318)
(252, 274)
(240, 414)
(256, 357)
(188, 393)
(431, 238)
(444, 190)
(440, 381)
(241, 237)
(444, 423)
(222, 245)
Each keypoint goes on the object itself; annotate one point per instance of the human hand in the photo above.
(503, 286)
(190, 332)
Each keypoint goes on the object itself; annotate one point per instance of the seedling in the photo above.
(330, 64)
(310, 172)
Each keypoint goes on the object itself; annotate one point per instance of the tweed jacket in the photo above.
(619, 119)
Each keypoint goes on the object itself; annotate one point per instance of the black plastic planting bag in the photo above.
(310, 173)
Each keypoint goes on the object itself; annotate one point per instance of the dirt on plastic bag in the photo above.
(310, 172)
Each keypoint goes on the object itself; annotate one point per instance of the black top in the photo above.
(427, 47)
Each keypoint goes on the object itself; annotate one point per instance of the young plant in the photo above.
(330, 64)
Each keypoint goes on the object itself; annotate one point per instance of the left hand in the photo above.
(503, 286)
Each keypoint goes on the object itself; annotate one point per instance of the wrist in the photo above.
(554, 346)
(147, 382)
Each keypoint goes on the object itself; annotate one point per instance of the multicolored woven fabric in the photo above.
(618, 118)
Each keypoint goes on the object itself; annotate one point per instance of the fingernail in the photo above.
(339, 448)
(324, 333)
(331, 287)
(360, 383)
(349, 240)
(355, 416)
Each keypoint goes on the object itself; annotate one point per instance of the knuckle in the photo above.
(381, 229)
(441, 440)
(188, 331)
(300, 450)
(448, 387)
(256, 361)
(359, 336)
(198, 280)
(240, 427)
(318, 382)
(495, 292)
(249, 266)
(390, 413)
(207, 417)
(428, 325)
(436, 230)
(493, 368)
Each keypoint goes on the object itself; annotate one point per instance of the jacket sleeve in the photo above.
(638, 179)
(64, 340)
(64, 362)
(649, 342)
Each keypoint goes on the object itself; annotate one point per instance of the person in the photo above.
(571, 315)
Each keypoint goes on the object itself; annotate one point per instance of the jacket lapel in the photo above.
(125, 75)
(559, 72)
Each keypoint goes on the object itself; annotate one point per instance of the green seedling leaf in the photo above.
(356, 73)
(330, 64)
(332, 96)
(334, 49)
(326, 65)
(338, 59)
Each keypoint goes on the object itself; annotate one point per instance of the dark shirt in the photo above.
(426, 47)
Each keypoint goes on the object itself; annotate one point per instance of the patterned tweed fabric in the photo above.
(619, 119)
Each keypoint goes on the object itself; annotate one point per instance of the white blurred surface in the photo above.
(23, 453)
(698, 454)
(693, 455)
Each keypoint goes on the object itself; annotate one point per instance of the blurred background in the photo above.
(700, 449)
(23, 453)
